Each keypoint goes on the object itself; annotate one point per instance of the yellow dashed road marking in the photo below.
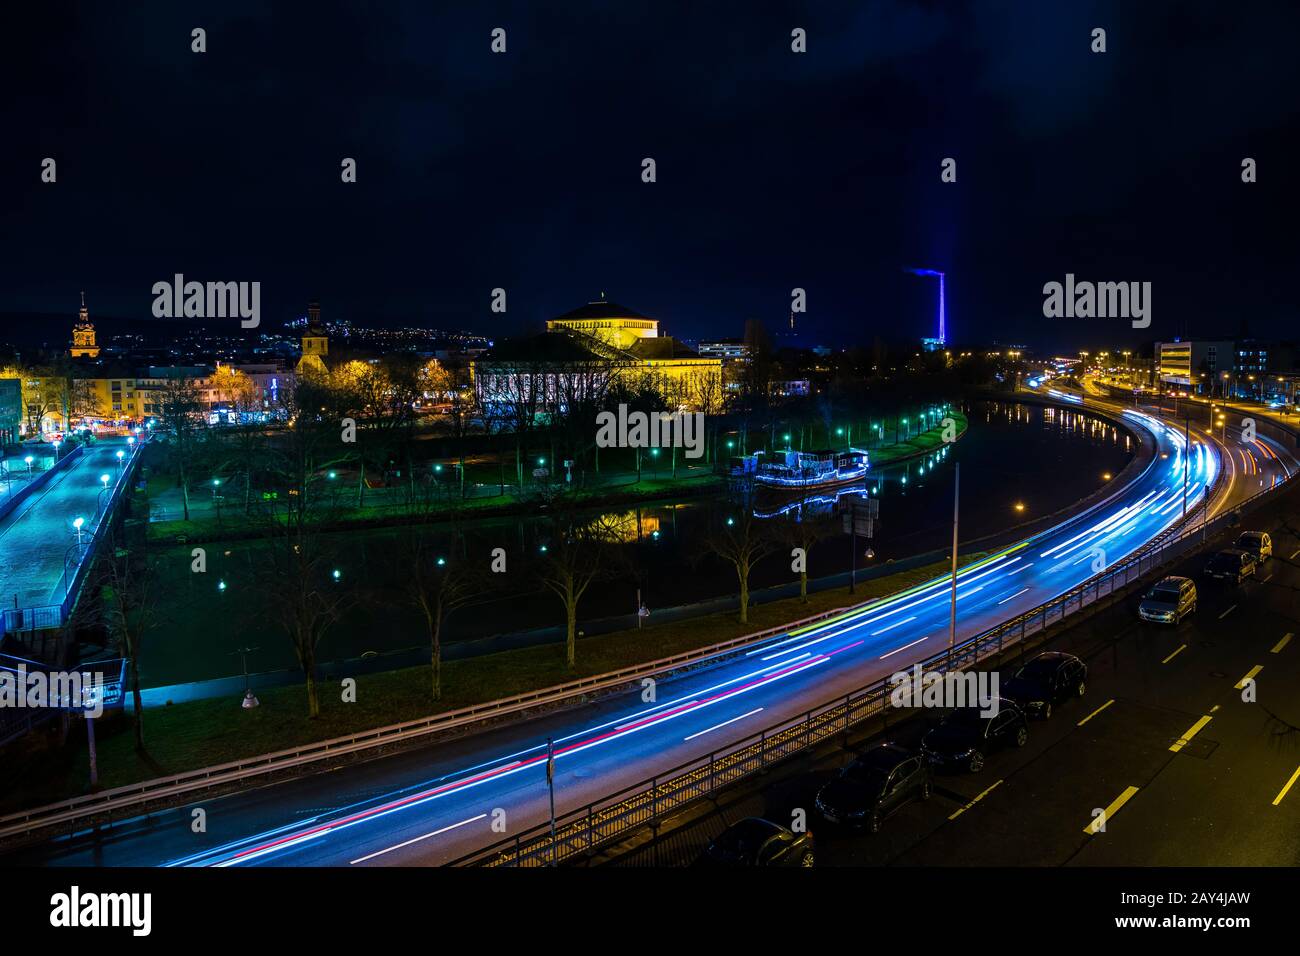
(1109, 813)
(1095, 712)
(1250, 675)
(1282, 793)
(1186, 738)
(962, 810)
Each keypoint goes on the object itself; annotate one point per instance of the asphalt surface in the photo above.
(432, 805)
(1177, 789)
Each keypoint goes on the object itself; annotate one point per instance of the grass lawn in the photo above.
(203, 733)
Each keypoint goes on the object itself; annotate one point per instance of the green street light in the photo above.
(337, 574)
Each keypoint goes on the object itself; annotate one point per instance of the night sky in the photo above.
(775, 169)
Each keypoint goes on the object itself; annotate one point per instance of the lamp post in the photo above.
(952, 614)
(76, 524)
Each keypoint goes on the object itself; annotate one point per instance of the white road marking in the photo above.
(723, 724)
(892, 626)
(418, 839)
(1016, 595)
(905, 647)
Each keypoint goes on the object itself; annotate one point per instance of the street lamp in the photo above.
(28, 459)
(119, 458)
(77, 523)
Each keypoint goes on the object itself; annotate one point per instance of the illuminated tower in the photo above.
(83, 334)
(943, 329)
(943, 338)
(315, 343)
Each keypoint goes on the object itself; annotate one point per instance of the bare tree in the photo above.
(178, 400)
(740, 538)
(439, 582)
(305, 595)
(579, 551)
(129, 599)
(802, 527)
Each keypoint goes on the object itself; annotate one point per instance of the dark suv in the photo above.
(965, 738)
(873, 786)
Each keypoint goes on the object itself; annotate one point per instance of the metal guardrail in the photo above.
(132, 797)
(583, 830)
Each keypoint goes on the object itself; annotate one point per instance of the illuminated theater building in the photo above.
(579, 355)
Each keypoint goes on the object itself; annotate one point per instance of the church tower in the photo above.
(315, 343)
(83, 334)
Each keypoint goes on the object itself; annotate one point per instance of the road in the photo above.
(433, 805)
(38, 536)
(1193, 771)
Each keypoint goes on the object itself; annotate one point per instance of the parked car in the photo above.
(873, 786)
(1171, 600)
(1049, 679)
(1257, 544)
(1232, 566)
(758, 842)
(965, 738)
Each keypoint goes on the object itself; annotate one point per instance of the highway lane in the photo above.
(436, 804)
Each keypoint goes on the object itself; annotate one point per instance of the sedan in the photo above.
(965, 738)
(1257, 544)
(873, 786)
(758, 842)
(1050, 678)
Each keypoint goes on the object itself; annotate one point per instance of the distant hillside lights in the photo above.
(212, 300)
